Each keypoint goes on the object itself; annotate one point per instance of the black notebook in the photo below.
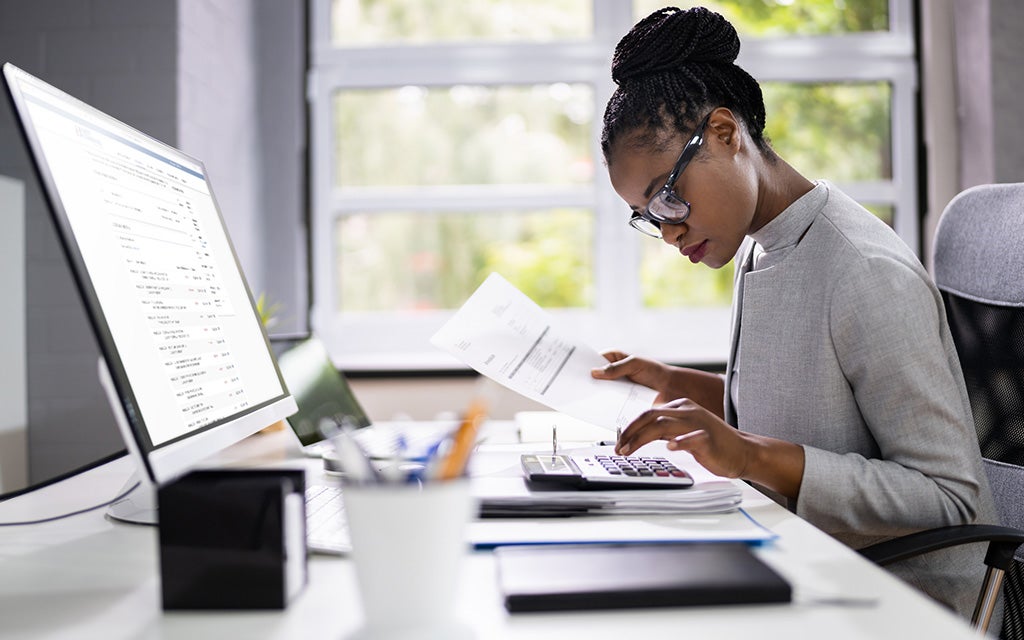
(562, 577)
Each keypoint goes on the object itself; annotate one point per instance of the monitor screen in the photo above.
(189, 362)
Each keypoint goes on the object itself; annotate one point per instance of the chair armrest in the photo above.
(1003, 543)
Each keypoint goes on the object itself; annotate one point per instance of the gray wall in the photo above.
(280, 98)
(13, 409)
(989, 49)
(1008, 89)
(191, 73)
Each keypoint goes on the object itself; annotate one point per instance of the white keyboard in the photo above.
(326, 526)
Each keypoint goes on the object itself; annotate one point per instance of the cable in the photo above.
(73, 513)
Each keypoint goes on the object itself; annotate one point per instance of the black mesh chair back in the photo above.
(979, 268)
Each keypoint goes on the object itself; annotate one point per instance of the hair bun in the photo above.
(671, 38)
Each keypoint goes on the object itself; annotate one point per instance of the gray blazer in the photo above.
(843, 348)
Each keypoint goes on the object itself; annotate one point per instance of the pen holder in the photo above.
(408, 543)
(232, 539)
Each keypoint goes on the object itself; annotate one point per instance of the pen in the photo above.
(354, 462)
(454, 463)
(611, 443)
(395, 472)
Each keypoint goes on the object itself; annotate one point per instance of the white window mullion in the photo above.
(904, 160)
(322, 315)
(462, 198)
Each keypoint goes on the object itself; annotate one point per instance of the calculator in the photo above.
(588, 471)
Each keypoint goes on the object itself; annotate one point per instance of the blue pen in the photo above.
(435, 454)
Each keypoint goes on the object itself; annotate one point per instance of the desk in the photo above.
(87, 577)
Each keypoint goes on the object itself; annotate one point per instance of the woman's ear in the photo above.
(724, 126)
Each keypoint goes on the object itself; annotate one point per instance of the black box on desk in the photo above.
(233, 539)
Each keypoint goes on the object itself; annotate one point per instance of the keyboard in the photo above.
(326, 526)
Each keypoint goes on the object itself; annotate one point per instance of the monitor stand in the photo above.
(139, 506)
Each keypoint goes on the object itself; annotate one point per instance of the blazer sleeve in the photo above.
(890, 337)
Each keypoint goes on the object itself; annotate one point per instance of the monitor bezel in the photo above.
(163, 462)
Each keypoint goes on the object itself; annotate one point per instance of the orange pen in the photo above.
(454, 464)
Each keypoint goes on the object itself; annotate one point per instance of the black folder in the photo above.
(567, 577)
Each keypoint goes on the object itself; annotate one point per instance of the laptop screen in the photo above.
(320, 390)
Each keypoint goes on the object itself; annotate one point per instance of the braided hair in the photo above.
(672, 68)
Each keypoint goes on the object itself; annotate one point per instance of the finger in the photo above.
(660, 429)
(611, 355)
(692, 441)
(654, 424)
(619, 365)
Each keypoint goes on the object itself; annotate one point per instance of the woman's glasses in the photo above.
(665, 207)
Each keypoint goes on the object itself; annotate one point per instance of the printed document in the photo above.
(506, 336)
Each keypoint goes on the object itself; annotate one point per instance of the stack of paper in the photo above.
(626, 524)
(504, 497)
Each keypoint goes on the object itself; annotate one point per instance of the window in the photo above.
(455, 138)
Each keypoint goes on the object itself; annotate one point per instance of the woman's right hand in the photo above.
(649, 373)
(671, 383)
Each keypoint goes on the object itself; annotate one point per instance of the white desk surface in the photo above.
(89, 577)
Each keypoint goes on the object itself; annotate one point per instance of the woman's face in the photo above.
(720, 184)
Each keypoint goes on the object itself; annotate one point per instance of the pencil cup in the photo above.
(408, 543)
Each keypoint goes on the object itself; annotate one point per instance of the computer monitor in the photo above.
(185, 359)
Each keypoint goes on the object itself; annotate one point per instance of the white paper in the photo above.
(506, 336)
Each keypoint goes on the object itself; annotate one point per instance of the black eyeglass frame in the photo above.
(666, 194)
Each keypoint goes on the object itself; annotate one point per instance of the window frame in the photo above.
(374, 341)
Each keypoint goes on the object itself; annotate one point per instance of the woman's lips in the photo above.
(695, 252)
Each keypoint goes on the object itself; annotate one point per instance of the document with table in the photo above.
(506, 336)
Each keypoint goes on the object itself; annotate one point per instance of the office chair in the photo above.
(979, 270)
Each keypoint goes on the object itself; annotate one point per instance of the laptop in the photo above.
(326, 402)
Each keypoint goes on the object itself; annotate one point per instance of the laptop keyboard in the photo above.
(412, 442)
(388, 442)
(326, 526)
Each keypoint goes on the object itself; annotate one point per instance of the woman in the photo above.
(843, 396)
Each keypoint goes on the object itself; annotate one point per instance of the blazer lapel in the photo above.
(746, 256)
